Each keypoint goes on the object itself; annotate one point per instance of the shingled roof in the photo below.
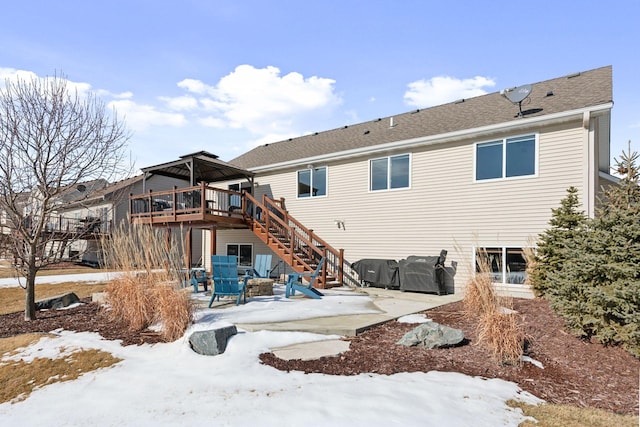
(572, 92)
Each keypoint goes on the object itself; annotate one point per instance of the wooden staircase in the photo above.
(294, 243)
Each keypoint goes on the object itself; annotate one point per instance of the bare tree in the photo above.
(51, 139)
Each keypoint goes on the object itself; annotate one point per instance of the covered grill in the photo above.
(379, 273)
(423, 273)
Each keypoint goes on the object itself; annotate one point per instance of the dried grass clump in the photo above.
(498, 328)
(150, 287)
(175, 310)
(480, 296)
(502, 334)
(130, 300)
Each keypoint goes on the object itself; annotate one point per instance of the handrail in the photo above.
(269, 214)
(199, 200)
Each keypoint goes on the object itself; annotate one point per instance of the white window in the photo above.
(243, 252)
(506, 158)
(312, 182)
(388, 173)
(506, 265)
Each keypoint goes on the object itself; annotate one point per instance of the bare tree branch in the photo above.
(51, 139)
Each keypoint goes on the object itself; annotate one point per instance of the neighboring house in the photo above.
(89, 211)
(476, 174)
(84, 213)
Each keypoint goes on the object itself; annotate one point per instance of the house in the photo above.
(478, 175)
(89, 211)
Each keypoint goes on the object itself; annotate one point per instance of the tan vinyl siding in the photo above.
(444, 208)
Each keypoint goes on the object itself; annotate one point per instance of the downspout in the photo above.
(591, 170)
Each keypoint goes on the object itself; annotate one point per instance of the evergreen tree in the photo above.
(566, 223)
(598, 288)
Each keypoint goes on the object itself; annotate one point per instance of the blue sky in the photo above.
(225, 76)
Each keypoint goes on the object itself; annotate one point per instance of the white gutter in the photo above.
(436, 139)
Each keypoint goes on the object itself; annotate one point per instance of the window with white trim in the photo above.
(389, 173)
(244, 252)
(312, 182)
(506, 158)
(505, 265)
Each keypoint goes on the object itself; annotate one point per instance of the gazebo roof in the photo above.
(199, 167)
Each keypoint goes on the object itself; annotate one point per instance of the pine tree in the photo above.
(598, 288)
(566, 223)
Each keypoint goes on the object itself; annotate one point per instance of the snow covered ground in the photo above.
(170, 385)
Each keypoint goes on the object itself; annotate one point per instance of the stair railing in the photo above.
(302, 246)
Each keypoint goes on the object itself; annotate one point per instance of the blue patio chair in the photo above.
(308, 290)
(225, 278)
(197, 276)
(262, 267)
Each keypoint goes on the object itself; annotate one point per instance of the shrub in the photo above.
(149, 289)
(567, 222)
(597, 288)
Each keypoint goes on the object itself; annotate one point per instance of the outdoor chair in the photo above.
(308, 290)
(225, 279)
(197, 276)
(261, 268)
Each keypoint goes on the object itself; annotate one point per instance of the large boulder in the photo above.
(211, 342)
(432, 335)
(58, 301)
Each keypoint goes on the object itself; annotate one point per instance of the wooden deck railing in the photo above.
(199, 203)
(298, 245)
(292, 238)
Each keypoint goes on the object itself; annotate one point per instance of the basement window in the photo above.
(505, 265)
(244, 252)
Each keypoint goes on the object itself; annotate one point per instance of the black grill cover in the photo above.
(423, 273)
(380, 273)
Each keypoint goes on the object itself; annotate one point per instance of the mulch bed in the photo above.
(576, 372)
(84, 318)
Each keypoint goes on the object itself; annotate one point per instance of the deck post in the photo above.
(203, 199)
(173, 203)
(187, 245)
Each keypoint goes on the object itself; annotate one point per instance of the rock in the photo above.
(259, 286)
(213, 341)
(432, 335)
(59, 301)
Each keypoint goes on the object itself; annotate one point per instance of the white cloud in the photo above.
(442, 89)
(180, 103)
(140, 117)
(12, 74)
(261, 100)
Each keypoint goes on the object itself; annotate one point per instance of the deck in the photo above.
(194, 205)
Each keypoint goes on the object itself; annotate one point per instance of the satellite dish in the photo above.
(517, 95)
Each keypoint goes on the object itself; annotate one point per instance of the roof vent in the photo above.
(459, 101)
(366, 132)
(391, 124)
(316, 133)
(550, 93)
(570, 76)
(377, 120)
(346, 126)
(416, 111)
